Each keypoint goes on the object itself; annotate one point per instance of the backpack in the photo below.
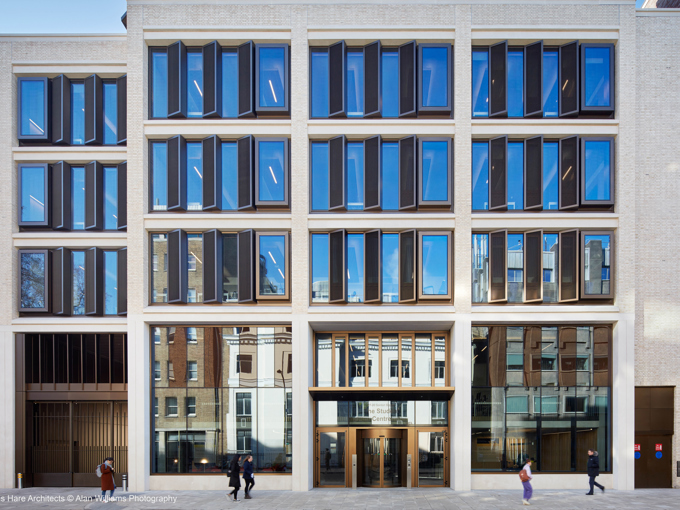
(523, 476)
(99, 471)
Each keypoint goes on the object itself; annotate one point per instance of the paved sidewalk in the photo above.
(345, 499)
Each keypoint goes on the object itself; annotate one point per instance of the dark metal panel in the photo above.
(177, 266)
(122, 196)
(568, 79)
(372, 79)
(533, 266)
(212, 80)
(177, 79)
(212, 173)
(498, 173)
(337, 54)
(337, 185)
(246, 272)
(246, 88)
(121, 105)
(337, 291)
(62, 281)
(94, 281)
(61, 110)
(568, 266)
(407, 266)
(122, 281)
(372, 174)
(177, 173)
(212, 266)
(94, 110)
(407, 79)
(245, 148)
(569, 173)
(498, 79)
(94, 196)
(498, 266)
(407, 173)
(533, 80)
(533, 173)
(372, 266)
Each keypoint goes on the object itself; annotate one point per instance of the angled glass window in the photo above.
(550, 268)
(435, 83)
(34, 295)
(110, 113)
(515, 268)
(229, 176)
(390, 84)
(480, 268)
(516, 83)
(159, 163)
(434, 172)
(516, 175)
(355, 176)
(159, 279)
(229, 84)
(480, 83)
(272, 266)
(110, 283)
(194, 83)
(33, 185)
(597, 267)
(354, 87)
(435, 269)
(390, 268)
(597, 76)
(550, 184)
(78, 268)
(390, 176)
(110, 197)
(33, 108)
(480, 176)
(597, 171)
(194, 176)
(159, 83)
(77, 113)
(272, 69)
(195, 267)
(319, 83)
(272, 168)
(320, 259)
(319, 176)
(550, 86)
(78, 197)
(229, 268)
(355, 268)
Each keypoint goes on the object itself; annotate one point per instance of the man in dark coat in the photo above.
(235, 476)
(108, 483)
(248, 475)
(593, 471)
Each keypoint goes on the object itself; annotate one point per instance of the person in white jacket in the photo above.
(528, 489)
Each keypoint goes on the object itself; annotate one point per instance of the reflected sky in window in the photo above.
(390, 176)
(229, 176)
(272, 265)
(110, 282)
(550, 92)
(320, 84)
(355, 83)
(229, 84)
(435, 168)
(194, 84)
(320, 268)
(390, 83)
(480, 176)
(516, 175)
(597, 171)
(390, 268)
(319, 176)
(355, 268)
(159, 154)
(110, 113)
(110, 197)
(480, 83)
(515, 83)
(78, 197)
(355, 176)
(272, 75)
(33, 193)
(33, 116)
(271, 168)
(550, 165)
(597, 76)
(435, 263)
(435, 77)
(159, 76)
(194, 176)
(77, 113)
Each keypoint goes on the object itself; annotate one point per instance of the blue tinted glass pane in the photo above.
(194, 176)
(77, 113)
(159, 156)
(33, 193)
(480, 268)
(435, 77)
(320, 268)
(390, 84)
(272, 75)
(229, 176)
(355, 176)
(355, 268)
(550, 268)
(516, 175)
(320, 176)
(111, 282)
(33, 280)
(390, 176)
(597, 173)
(272, 265)
(159, 76)
(550, 92)
(550, 189)
(480, 83)
(78, 197)
(271, 170)
(32, 108)
(515, 84)
(480, 176)
(355, 84)
(435, 171)
(110, 113)
(78, 259)
(229, 84)
(597, 77)
(320, 83)
(194, 84)
(110, 198)
(435, 262)
(390, 268)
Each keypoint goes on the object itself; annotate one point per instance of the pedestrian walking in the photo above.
(248, 475)
(526, 477)
(105, 472)
(234, 476)
(593, 471)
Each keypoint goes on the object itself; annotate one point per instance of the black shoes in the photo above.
(602, 490)
(589, 493)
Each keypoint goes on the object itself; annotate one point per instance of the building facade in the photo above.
(401, 245)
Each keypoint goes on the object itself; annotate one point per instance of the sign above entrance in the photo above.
(379, 411)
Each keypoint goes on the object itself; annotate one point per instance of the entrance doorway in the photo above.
(381, 459)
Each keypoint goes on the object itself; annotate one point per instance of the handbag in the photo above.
(523, 476)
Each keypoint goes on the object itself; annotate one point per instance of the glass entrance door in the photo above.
(382, 458)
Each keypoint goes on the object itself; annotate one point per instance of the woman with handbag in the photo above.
(234, 473)
(525, 476)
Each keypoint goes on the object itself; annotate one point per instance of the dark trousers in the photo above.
(250, 483)
(593, 482)
(235, 493)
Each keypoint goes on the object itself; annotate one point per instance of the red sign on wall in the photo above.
(658, 447)
(637, 447)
